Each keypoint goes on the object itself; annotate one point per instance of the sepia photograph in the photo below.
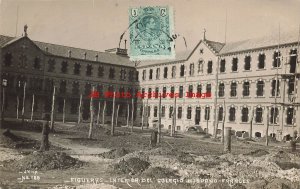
(131, 94)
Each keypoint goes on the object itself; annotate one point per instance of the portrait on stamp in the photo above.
(151, 29)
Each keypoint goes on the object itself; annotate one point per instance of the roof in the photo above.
(262, 42)
(77, 53)
(179, 57)
(215, 46)
(4, 40)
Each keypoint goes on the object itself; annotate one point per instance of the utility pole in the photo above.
(117, 116)
(223, 123)
(216, 99)
(159, 120)
(127, 114)
(143, 114)
(207, 117)
(52, 110)
(174, 118)
(79, 109)
(18, 105)
(92, 114)
(98, 113)
(64, 110)
(1, 87)
(132, 112)
(103, 114)
(267, 130)
(23, 108)
(32, 107)
(251, 124)
(112, 116)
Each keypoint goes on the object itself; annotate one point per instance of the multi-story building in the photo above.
(241, 78)
(247, 81)
(71, 71)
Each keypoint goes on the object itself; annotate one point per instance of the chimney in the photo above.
(70, 53)
(84, 54)
(96, 57)
(125, 43)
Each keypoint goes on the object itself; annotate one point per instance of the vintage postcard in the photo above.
(121, 94)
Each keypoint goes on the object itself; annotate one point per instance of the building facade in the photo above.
(242, 82)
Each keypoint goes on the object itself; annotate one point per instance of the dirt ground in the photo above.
(126, 160)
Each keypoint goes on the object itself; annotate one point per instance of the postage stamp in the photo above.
(151, 30)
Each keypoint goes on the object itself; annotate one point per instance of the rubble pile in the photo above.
(131, 166)
(47, 161)
(116, 153)
(160, 172)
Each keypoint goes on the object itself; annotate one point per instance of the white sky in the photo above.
(98, 24)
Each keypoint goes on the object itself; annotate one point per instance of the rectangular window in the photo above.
(234, 67)
(209, 67)
(157, 73)
(247, 63)
(172, 91)
(221, 90)
(245, 116)
(165, 72)
(290, 116)
(75, 88)
(190, 94)
(164, 92)
(293, 60)
(207, 113)
(192, 69)
(181, 70)
(51, 65)
(179, 114)
(259, 115)
(199, 90)
(123, 74)
(163, 111)
(111, 73)
(144, 75)
(232, 114)
(171, 112)
(233, 88)
(156, 92)
(189, 113)
(64, 67)
(275, 90)
(155, 111)
(220, 114)
(180, 91)
(208, 90)
(276, 59)
(260, 88)
(291, 85)
(100, 71)
(77, 69)
(246, 89)
(222, 66)
(149, 92)
(89, 69)
(150, 74)
(261, 61)
(200, 66)
(274, 115)
(173, 71)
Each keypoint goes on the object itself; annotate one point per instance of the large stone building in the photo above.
(243, 81)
